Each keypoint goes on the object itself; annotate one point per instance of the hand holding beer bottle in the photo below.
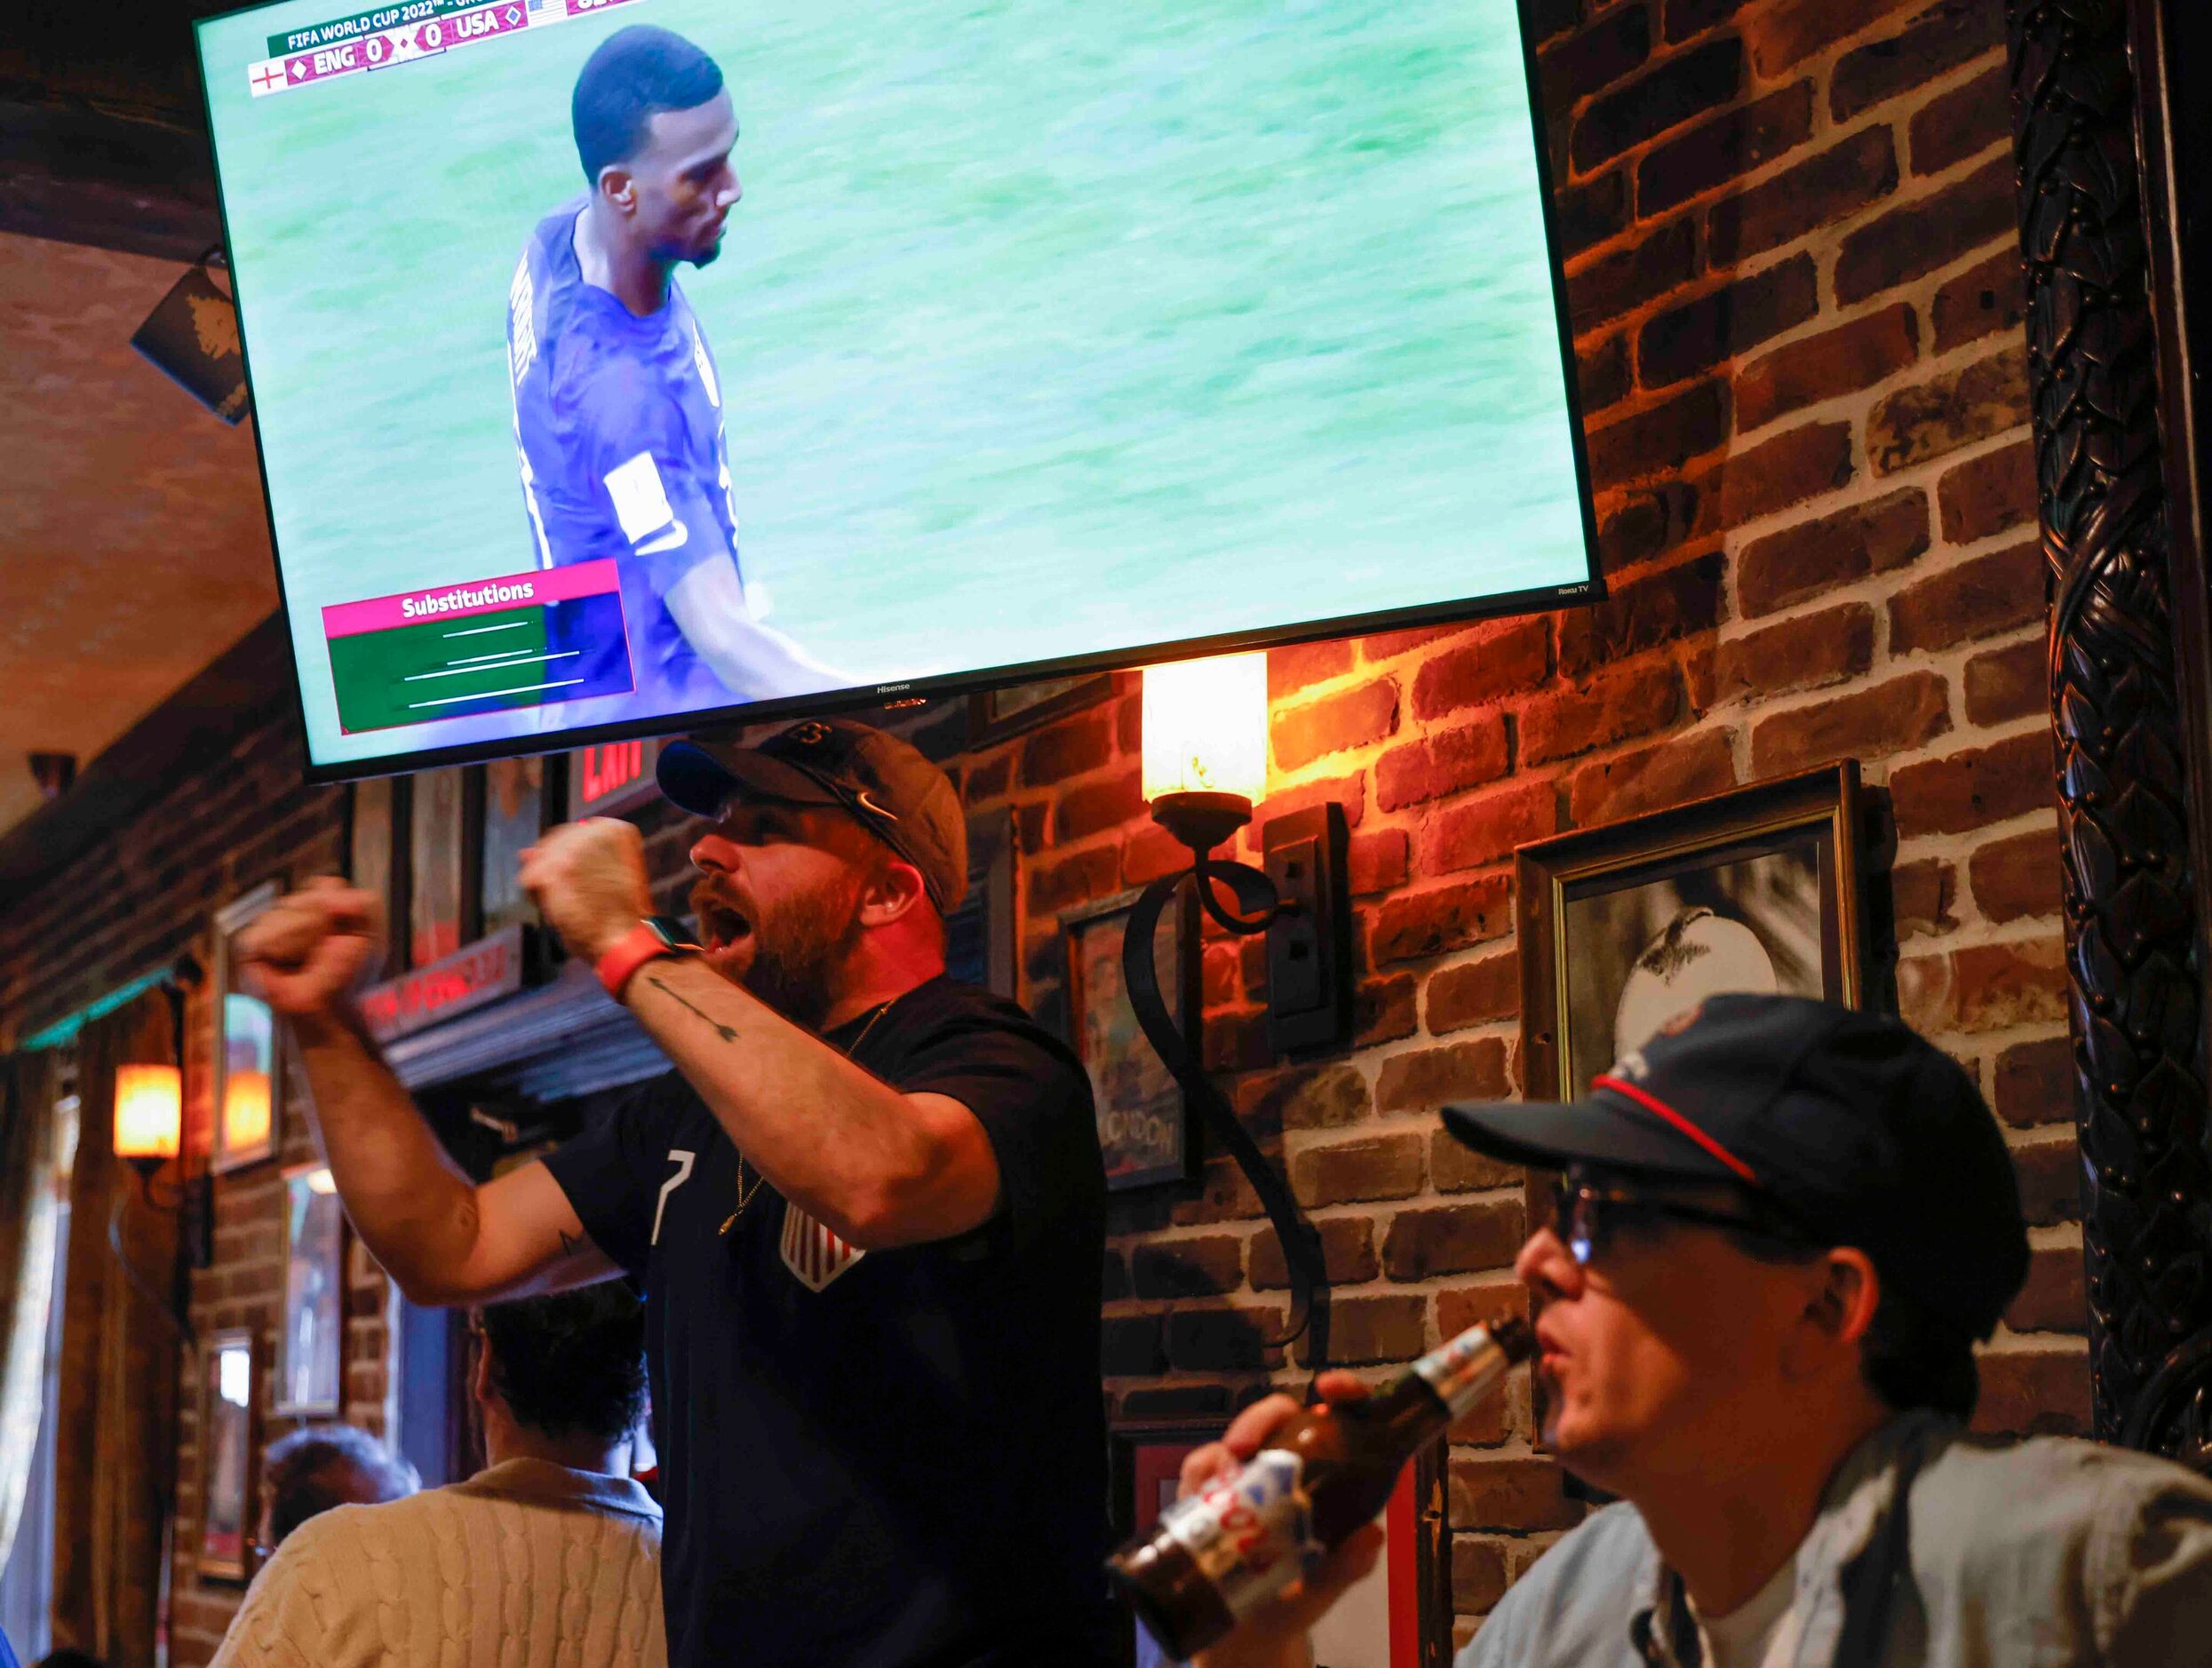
(1295, 1510)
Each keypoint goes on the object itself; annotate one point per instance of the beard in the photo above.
(799, 944)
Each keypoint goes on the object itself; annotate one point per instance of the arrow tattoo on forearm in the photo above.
(728, 1033)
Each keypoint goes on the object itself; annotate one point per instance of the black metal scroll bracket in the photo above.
(1258, 903)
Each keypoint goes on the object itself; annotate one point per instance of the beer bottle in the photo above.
(1219, 1555)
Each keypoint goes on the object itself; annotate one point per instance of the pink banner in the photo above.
(478, 596)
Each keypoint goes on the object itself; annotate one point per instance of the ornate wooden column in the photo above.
(2121, 698)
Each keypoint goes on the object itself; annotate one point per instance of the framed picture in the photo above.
(438, 860)
(980, 947)
(247, 1101)
(310, 1345)
(1625, 926)
(995, 714)
(1399, 1616)
(227, 1449)
(1145, 1130)
(514, 816)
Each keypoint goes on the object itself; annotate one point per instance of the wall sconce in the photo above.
(149, 1132)
(149, 1116)
(1206, 749)
(245, 1110)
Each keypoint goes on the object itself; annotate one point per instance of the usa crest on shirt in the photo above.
(812, 1253)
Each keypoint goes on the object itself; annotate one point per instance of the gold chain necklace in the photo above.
(744, 1193)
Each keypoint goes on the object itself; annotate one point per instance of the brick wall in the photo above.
(1797, 305)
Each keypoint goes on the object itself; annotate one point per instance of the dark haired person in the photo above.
(318, 1466)
(866, 1209)
(549, 1553)
(617, 404)
(1781, 1227)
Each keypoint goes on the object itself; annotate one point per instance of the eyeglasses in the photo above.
(1587, 1214)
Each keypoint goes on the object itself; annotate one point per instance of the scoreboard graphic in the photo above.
(488, 646)
(402, 34)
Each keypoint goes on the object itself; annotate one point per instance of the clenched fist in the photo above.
(304, 953)
(588, 881)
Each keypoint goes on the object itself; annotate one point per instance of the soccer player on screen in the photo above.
(617, 408)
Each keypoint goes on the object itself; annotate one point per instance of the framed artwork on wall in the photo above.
(437, 888)
(1398, 1616)
(995, 714)
(980, 942)
(247, 1074)
(227, 1453)
(514, 816)
(1145, 1129)
(311, 1340)
(1626, 926)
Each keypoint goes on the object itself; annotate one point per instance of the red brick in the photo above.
(2050, 1180)
(1974, 788)
(1696, 335)
(1376, 1167)
(1792, 31)
(1474, 993)
(1940, 39)
(1308, 1098)
(1382, 1010)
(1068, 749)
(1685, 768)
(1223, 1340)
(1129, 723)
(1591, 211)
(1151, 852)
(1516, 656)
(1659, 439)
(1295, 668)
(1029, 823)
(2053, 1299)
(1515, 1495)
(1225, 1195)
(1685, 86)
(1200, 1267)
(1986, 297)
(1984, 987)
(1916, 238)
(1890, 718)
(1642, 524)
(1096, 807)
(1839, 361)
(1415, 924)
(1625, 279)
(1732, 144)
(1348, 791)
(1478, 1575)
(1603, 373)
(1056, 884)
(1948, 411)
(1987, 495)
(1449, 761)
(1962, 123)
(1454, 1167)
(1453, 1239)
(1376, 862)
(1237, 1042)
(1375, 1331)
(1617, 704)
(1819, 191)
(1656, 608)
(1483, 831)
(1425, 1078)
(2036, 1083)
(1688, 18)
(1348, 1252)
(2033, 1392)
(1335, 724)
(2017, 878)
(1592, 58)
(1388, 645)
(988, 779)
(1804, 561)
(1981, 598)
(1921, 894)
(2004, 684)
(1796, 465)
(1799, 653)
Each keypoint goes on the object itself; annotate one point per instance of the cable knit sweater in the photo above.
(526, 1565)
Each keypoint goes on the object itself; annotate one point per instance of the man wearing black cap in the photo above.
(1781, 1227)
(866, 1212)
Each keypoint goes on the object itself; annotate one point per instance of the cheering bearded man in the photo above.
(1780, 1225)
(866, 1212)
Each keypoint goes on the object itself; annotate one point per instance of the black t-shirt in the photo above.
(893, 1459)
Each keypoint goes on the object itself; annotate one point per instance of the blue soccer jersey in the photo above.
(619, 422)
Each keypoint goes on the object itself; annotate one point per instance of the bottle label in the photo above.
(1463, 1368)
(1252, 1534)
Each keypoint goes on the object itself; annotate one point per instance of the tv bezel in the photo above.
(1590, 589)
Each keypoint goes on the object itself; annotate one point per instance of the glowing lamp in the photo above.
(149, 1113)
(322, 1180)
(245, 1109)
(1206, 745)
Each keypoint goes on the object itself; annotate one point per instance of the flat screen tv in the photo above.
(616, 363)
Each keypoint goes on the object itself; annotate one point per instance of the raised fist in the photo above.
(304, 955)
(588, 880)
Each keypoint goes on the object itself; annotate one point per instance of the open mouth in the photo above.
(722, 925)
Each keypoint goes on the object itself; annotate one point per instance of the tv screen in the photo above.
(619, 361)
